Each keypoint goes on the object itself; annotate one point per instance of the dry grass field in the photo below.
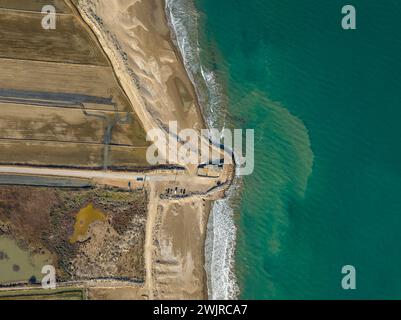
(67, 154)
(60, 77)
(60, 101)
(22, 37)
(26, 122)
(35, 5)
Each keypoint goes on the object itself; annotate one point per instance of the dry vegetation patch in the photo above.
(43, 219)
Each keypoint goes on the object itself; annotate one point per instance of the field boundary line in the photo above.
(57, 62)
(71, 142)
(27, 104)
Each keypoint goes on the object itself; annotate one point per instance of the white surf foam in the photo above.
(221, 233)
(220, 249)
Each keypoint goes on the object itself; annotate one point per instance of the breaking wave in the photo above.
(221, 232)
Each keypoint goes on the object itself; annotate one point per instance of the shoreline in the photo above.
(220, 224)
(174, 43)
(173, 40)
(186, 264)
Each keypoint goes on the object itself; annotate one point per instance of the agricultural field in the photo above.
(79, 81)
(61, 105)
(22, 37)
(26, 122)
(36, 5)
(60, 101)
(74, 155)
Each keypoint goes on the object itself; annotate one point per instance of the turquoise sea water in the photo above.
(325, 104)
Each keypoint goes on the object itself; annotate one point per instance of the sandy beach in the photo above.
(138, 41)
